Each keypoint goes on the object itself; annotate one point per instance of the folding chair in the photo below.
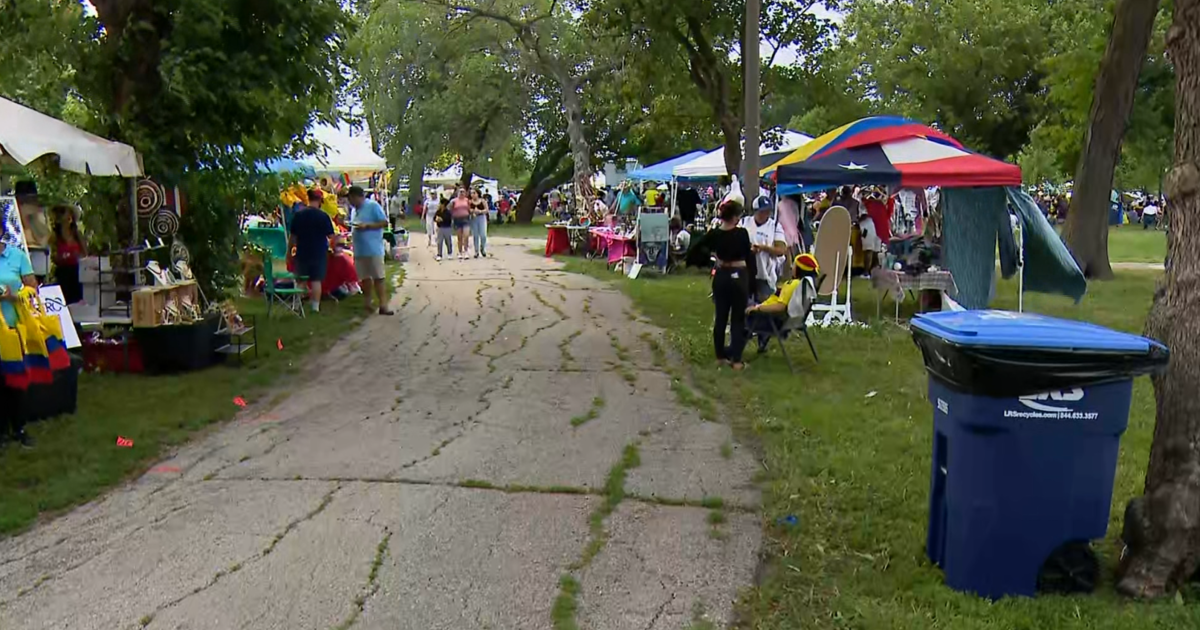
(798, 309)
(290, 298)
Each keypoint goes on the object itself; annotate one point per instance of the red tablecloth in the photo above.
(557, 240)
(339, 270)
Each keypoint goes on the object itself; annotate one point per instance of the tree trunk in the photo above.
(731, 132)
(1086, 231)
(416, 180)
(581, 150)
(1163, 526)
(533, 190)
(467, 174)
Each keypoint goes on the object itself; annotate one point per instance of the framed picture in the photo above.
(14, 231)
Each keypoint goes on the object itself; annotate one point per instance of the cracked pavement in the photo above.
(424, 475)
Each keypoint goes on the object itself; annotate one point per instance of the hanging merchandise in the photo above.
(12, 357)
(179, 253)
(165, 223)
(150, 197)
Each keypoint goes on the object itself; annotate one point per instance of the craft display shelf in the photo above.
(150, 304)
(240, 340)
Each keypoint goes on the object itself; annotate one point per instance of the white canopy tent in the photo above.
(26, 135)
(712, 164)
(346, 152)
(454, 174)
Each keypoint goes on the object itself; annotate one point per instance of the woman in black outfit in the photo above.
(731, 281)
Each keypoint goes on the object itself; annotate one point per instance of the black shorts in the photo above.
(312, 268)
(461, 224)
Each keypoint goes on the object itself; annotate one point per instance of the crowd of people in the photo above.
(312, 235)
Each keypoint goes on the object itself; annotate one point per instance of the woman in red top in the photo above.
(68, 249)
(460, 212)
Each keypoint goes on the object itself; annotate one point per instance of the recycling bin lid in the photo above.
(1002, 354)
(1006, 329)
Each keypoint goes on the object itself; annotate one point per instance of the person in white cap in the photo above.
(769, 245)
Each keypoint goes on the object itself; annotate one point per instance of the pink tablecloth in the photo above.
(618, 245)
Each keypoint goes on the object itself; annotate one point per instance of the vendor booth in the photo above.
(971, 219)
(39, 378)
(711, 165)
(453, 176)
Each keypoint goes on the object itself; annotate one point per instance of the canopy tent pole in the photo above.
(133, 220)
(1021, 280)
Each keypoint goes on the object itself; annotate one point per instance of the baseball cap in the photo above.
(762, 202)
(807, 262)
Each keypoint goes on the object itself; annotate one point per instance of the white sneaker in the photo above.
(439, 259)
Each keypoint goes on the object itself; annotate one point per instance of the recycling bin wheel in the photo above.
(1072, 568)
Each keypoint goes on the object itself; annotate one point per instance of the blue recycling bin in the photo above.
(1028, 416)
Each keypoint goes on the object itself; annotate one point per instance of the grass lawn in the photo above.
(536, 229)
(76, 457)
(1130, 243)
(855, 470)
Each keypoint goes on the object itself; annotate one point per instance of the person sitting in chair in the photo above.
(681, 239)
(762, 320)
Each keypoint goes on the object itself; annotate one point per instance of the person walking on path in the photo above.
(369, 222)
(431, 206)
(311, 229)
(479, 221)
(445, 229)
(735, 266)
(460, 211)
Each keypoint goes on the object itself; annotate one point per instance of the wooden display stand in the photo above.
(150, 303)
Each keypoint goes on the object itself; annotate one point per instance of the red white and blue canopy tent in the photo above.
(900, 153)
(889, 151)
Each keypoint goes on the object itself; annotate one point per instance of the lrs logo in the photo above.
(1073, 395)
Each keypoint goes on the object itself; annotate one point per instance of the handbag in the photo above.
(52, 332)
(12, 357)
(37, 353)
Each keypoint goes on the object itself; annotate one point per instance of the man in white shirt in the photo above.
(769, 244)
(1150, 216)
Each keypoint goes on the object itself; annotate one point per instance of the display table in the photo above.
(558, 240)
(562, 239)
(178, 348)
(618, 245)
(896, 283)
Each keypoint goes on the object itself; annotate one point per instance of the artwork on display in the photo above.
(56, 304)
(150, 197)
(160, 208)
(14, 231)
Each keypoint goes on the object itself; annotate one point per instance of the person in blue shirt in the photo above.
(369, 222)
(15, 271)
(310, 232)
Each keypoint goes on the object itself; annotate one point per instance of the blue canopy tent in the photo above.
(661, 172)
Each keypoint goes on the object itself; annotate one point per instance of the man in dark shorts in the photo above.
(311, 229)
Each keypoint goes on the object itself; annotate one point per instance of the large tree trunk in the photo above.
(731, 132)
(533, 190)
(416, 180)
(1086, 231)
(1163, 526)
(581, 150)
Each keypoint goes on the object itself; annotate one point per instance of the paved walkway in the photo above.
(428, 475)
